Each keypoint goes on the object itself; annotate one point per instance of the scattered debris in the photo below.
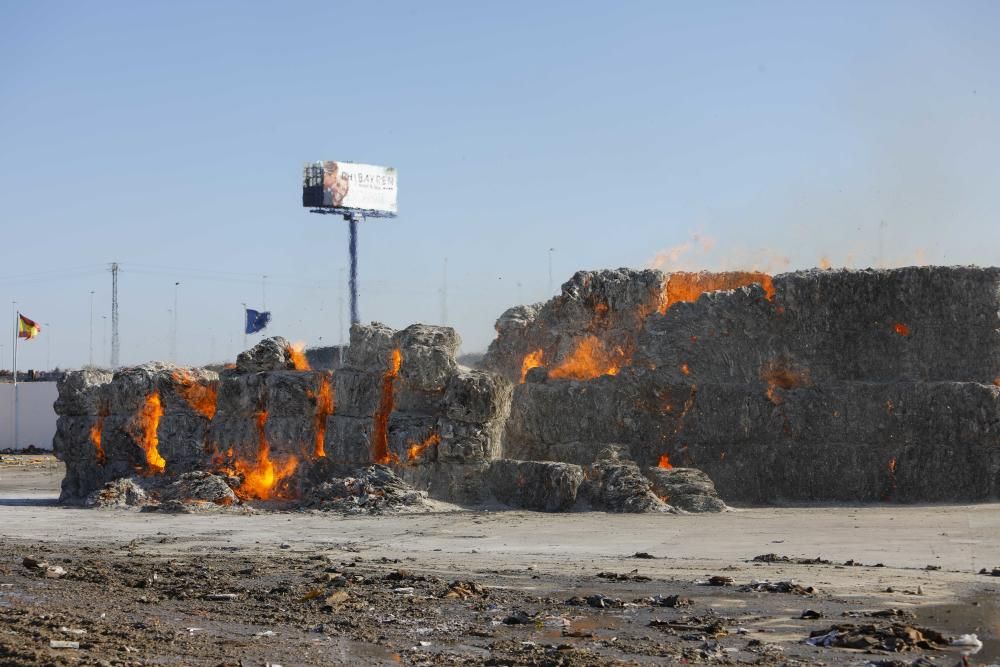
(765, 586)
(894, 637)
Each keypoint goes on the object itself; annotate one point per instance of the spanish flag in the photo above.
(26, 328)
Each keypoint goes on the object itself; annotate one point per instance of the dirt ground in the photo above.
(482, 587)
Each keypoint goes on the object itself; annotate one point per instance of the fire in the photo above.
(531, 360)
(901, 329)
(262, 479)
(589, 360)
(687, 287)
(380, 429)
(892, 466)
(664, 462)
(297, 352)
(201, 397)
(824, 262)
(779, 375)
(95, 434)
(685, 369)
(149, 422)
(324, 408)
(416, 450)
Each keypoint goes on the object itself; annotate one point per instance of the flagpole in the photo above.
(16, 425)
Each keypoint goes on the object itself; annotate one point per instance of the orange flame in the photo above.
(297, 352)
(531, 360)
(324, 408)
(417, 449)
(149, 422)
(687, 287)
(685, 369)
(95, 434)
(664, 462)
(201, 397)
(262, 479)
(901, 329)
(380, 428)
(824, 262)
(589, 360)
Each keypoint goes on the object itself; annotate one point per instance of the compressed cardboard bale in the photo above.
(428, 356)
(465, 442)
(544, 486)
(358, 392)
(606, 308)
(449, 482)
(371, 346)
(241, 394)
(182, 442)
(686, 489)
(292, 393)
(416, 401)
(348, 440)
(478, 397)
(418, 434)
(232, 432)
(81, 392)
(270, 354)
(290, 436)
(613, 484)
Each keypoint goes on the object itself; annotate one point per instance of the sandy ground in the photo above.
(529, 563)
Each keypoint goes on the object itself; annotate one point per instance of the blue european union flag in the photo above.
(256, 320)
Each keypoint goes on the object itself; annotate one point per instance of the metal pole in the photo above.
(13, 307)
(91, 328)
(353, 220)
(550, 271)
(115, 343)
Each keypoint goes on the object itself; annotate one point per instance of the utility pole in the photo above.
(115, 343)
(91, 363)
(550, 272)
(173, 332)
(444, 294)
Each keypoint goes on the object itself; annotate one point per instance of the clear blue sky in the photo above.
(170, 137)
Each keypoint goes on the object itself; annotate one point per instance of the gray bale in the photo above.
(371, 346)
(612, 484)
(413, 432)
(357, 392)
(466, 442)
(428, 356)
(449, 482)
(81, 392)
(478, 397)
(241, 394)
(292, 393)
(348, 439)
(543, 486)
(686, 489)
(270, 354)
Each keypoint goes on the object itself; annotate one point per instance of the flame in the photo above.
(892, 466)
(324, 408)
(95, 434)
(824, 262)
(380, 428)
(589, 360)
(417, 449)
(664, 462)
(149, 422)
(297, 352)
(201, 397)
(685, 369)
(901, 329)
(531, 360)
(779, 375)
(687, 287)
(262, 478)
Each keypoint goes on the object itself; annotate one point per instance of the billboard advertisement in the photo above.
(350, 186)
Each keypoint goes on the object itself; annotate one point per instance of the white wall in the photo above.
(37, 418)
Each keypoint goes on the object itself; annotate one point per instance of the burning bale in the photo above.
(269, 429)
(795, 387)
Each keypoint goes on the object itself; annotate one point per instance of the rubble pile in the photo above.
(815, 385)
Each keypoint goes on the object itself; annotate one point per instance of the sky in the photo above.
(170, 137)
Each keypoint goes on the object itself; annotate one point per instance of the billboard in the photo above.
(350, 186)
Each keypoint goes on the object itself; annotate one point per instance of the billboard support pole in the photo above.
(352, 219)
